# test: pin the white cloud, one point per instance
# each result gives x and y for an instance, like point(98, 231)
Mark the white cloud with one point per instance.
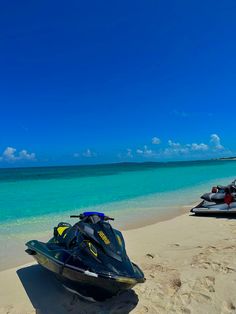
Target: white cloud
point(216, 142)
point(10, 155)
point(198, 147)
point(129, 153)
point(145, 151)
point(156, 140)
point(173, 144)
point(26, 156)
point(175, 149)
point(88, 153)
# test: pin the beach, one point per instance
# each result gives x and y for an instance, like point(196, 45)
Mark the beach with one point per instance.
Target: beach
point(189, 264)
point(34, 200)
point(117, 121)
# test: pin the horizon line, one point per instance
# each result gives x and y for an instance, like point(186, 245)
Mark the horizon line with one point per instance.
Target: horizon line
point(120, 163)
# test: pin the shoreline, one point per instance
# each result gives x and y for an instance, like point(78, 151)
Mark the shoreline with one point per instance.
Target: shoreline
point(188, 261)
point(155, 219)
point(13, 237)
point(21, 258)
point(136, 225)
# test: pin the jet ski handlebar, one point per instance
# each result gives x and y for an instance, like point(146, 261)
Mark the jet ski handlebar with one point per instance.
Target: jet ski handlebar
point(81, 216)
point(108, 218)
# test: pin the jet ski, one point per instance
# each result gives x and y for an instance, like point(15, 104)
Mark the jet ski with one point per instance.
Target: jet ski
point(88, 257)
point(207, 208)
point(218, 193)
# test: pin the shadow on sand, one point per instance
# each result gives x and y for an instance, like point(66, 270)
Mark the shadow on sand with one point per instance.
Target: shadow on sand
point(48, 296)
point(215, 215)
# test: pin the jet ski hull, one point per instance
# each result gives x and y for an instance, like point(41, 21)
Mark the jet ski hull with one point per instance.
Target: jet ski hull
point(99, 286)
point(209, 208)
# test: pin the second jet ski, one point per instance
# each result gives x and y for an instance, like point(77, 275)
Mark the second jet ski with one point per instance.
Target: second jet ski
point(218, 193)
point(222, 200)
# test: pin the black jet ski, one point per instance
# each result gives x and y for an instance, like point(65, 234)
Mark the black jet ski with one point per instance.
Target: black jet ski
point(88, 257)
point(218, 193)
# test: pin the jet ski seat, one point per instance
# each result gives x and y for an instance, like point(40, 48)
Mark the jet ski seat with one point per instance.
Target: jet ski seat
point(222, 187)
point(70, 237)
point(66, 235)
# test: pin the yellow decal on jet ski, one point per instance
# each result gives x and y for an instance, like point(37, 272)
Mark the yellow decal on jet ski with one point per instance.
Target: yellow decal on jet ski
point(92, 249)
point(130, 281)
point(119, 239)
point(42, 260)
point(60, 230)
point(104, 237)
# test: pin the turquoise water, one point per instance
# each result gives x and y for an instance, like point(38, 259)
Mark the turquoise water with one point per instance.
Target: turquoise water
point(34, 200)
point(33, 192)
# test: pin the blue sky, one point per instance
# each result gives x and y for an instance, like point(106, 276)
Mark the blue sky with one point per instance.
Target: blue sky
point(96, 81)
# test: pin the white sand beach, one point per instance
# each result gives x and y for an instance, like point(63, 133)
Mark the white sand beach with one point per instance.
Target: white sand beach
point(189, 263)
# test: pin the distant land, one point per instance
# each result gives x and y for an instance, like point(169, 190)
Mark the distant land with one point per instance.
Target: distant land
point(227, 158)
point(118, 164)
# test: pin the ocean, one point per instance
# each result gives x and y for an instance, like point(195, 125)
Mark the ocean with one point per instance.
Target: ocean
point(34, 200)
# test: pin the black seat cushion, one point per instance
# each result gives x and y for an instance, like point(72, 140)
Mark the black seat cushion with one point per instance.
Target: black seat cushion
point(68, 237)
